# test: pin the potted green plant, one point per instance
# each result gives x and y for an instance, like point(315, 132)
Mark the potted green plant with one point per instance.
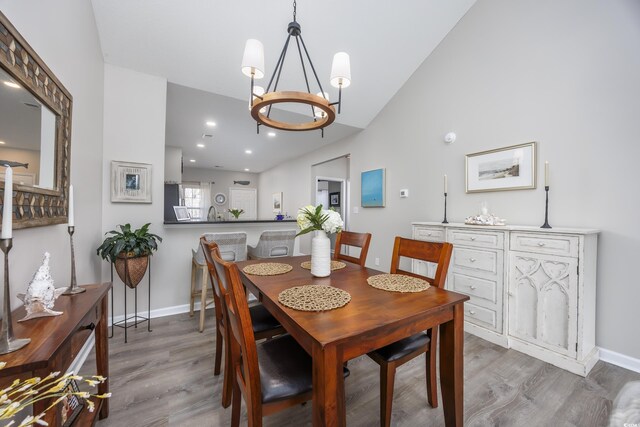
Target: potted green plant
point(236, 212)
point(129, 250)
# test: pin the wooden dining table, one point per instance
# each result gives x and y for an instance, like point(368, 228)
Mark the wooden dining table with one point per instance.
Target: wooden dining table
point(372, 319)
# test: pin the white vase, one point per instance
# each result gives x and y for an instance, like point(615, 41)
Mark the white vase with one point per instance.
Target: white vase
point(320, 255)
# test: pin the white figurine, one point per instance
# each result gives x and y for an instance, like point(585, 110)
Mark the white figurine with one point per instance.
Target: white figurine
point(41, 294)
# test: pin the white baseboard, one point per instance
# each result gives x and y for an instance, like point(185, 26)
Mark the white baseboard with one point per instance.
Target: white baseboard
point(619, 359)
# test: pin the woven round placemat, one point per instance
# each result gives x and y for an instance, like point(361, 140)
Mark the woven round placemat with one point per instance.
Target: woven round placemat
point(398, 283)
point(267, 269)
point(314, 298)
point(335, 265)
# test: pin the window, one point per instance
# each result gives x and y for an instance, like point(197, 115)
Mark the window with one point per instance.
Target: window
point(193, 199)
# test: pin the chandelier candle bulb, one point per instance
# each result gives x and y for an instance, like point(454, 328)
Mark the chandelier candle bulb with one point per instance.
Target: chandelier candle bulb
point(546, 173)
point(71, 217)
point(7, 216)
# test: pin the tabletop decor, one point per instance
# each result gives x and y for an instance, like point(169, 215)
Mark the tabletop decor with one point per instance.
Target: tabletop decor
point(267, 269)
point(314, 298)
point(546, 191)
point(236, 212)
point(129, 251)
point(73, 287)
point(444, 221)
point(277, 202)
point(41, 294)
point(8, 343)
point(130, 182)
point(508, 168)
point(22, 394)
point(335, 265)
point(314, 218)
point(398, 283)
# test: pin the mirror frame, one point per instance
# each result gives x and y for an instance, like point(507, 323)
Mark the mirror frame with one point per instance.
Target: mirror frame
point(34, 206)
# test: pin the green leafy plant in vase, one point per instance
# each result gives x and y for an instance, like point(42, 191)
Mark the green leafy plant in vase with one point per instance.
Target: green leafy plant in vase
point(129, 250)
point(236, 212)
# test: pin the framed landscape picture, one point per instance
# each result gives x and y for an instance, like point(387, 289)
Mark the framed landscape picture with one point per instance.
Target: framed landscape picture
point(277, 202)
point(334, 199)
point(508, 168)
point(373, 188)
point(130, 182)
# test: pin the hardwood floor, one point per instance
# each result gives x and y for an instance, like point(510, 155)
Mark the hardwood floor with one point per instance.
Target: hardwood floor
point(165, 378)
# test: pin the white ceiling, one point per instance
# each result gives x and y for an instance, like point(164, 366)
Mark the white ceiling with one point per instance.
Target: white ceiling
point(199, 44)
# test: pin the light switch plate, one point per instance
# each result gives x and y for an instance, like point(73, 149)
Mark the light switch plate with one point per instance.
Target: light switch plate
point(355, 210)
point(404, 193)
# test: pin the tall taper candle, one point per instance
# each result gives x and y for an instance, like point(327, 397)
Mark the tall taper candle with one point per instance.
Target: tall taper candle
point(546, 173)
point(7, 211)
point(445, 183)
point(71, 206)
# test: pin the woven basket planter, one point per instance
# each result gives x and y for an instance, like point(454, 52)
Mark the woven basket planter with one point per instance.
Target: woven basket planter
point(133, 267)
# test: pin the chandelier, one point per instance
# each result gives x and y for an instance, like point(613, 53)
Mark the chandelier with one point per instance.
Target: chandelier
point(323, 112)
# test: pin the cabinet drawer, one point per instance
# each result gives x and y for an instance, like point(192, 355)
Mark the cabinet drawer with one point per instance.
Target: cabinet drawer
point(545, 244)
point(429, 234)
point(480, 239)
point(481, 316)
point(485, 261)
point(474, 286)
point(83, 332)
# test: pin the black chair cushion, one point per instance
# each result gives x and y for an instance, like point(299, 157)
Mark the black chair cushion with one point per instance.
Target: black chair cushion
point(261, 319)
point(285, 369)
point(399, 349)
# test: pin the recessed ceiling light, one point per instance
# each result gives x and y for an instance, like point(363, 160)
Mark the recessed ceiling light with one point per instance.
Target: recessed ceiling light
point(12, 84)
point(2, 142)
point(211, 124)
point(200, 145)
point(192, 160)
point(271, 134)
point(246, 169)
point(248, 151)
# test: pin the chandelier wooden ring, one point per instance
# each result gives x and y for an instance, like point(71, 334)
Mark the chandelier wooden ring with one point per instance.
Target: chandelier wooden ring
point(296, 97)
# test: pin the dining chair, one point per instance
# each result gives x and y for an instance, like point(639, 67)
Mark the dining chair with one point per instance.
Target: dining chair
point(272, 375)
point(264, 325)
point(350, 238)
point(233, 247)
point(273, 244)
point(400, 352)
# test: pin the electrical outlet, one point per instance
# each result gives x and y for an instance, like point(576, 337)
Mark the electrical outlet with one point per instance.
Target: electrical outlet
point(377, 261)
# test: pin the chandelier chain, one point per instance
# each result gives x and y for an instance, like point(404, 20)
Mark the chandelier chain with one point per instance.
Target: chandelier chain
point(294, 10)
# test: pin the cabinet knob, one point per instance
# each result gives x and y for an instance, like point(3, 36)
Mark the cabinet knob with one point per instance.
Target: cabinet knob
point(428, 234)
point(473, 238)
point(472, 259)
point(540, 243)
point(511, 294)
point(473, 287)
point(472, 312)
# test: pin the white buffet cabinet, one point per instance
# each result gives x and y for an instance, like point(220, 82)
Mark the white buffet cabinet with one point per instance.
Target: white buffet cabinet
point(531, 289)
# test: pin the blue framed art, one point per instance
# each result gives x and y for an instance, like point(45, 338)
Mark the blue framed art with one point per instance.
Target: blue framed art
point(372, 189)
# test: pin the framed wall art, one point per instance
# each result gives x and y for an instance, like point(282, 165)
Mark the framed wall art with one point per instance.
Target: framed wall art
point(70, 405)
point(130, 182)
point(373, 188)
point(277, 202)
point(334, 199)
point(508, 168)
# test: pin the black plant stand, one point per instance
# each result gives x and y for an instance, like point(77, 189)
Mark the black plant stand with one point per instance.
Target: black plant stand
point(131, 321)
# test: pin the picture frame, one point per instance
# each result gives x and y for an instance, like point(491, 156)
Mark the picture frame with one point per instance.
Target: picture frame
point(372, 185)
point(501, 169)
point(130, 182)
point(334, 199)
point(277, 202)
point(182, 213)
point(70, 406)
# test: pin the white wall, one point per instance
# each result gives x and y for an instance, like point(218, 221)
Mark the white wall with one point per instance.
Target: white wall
point(134, 123)
point(172, 165)
point(560, 73)
point(64, 34)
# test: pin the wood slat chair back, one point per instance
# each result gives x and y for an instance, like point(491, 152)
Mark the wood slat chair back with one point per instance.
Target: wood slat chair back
point(350, 238)
point(244, 356)
point(438, 253)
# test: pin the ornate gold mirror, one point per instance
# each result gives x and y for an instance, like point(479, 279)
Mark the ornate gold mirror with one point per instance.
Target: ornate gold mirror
point(35, 130)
